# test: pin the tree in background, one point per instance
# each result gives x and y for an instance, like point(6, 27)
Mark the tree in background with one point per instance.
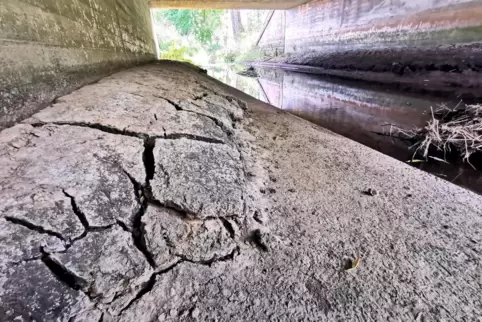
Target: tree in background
point(237, 24)
point(199, 23)
point(207, 37)
point(172, 51)
point(194, 33)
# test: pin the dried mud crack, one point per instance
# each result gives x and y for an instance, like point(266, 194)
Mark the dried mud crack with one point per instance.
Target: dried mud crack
point(110, 204)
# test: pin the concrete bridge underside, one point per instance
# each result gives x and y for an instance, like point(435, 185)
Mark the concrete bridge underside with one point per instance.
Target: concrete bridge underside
point(226, 4)
point(50, 47)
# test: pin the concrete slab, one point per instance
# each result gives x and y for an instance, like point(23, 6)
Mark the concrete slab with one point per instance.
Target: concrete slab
point(273, 223)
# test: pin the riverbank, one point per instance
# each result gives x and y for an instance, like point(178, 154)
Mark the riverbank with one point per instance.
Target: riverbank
point(463, 84)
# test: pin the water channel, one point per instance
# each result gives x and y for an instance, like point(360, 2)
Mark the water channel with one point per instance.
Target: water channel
point(366, 113)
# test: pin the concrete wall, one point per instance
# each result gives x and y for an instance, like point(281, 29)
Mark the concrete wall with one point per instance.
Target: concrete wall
point(334, 25)
point(433, 45)
point(272, 42)
point(50, 47)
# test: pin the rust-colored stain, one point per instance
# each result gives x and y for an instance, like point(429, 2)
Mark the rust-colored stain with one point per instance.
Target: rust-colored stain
point(432, 20)
point(368, 22)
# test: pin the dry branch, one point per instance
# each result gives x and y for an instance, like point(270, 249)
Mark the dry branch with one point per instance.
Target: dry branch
point(458, 129)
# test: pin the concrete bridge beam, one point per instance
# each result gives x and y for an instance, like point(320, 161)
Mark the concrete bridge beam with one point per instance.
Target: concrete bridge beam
point(226, 4)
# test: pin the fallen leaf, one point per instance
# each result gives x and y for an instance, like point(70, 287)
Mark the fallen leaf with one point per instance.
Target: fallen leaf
point(355, 264)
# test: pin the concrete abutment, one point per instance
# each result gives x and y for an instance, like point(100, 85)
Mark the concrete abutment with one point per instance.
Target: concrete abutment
point(423, 45)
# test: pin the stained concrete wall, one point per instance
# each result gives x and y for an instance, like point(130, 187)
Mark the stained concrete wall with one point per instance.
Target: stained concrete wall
point(50, 47)
point(433, 45)
point(334, 25)
point(272, 42)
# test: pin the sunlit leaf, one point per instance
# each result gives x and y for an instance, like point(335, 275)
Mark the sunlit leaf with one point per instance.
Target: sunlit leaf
point(416, 161)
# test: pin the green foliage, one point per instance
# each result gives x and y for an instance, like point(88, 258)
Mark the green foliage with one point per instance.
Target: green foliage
point(251, 55)
point(182, 20)
point(165, 45)
point(233, 56)
point(213, 48)
point(230, 57)
point(175, 52)
point(209, 33)
point(199, 23)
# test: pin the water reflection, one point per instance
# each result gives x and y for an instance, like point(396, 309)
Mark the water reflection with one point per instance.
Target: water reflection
point(228, 75)
point(362, 112)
